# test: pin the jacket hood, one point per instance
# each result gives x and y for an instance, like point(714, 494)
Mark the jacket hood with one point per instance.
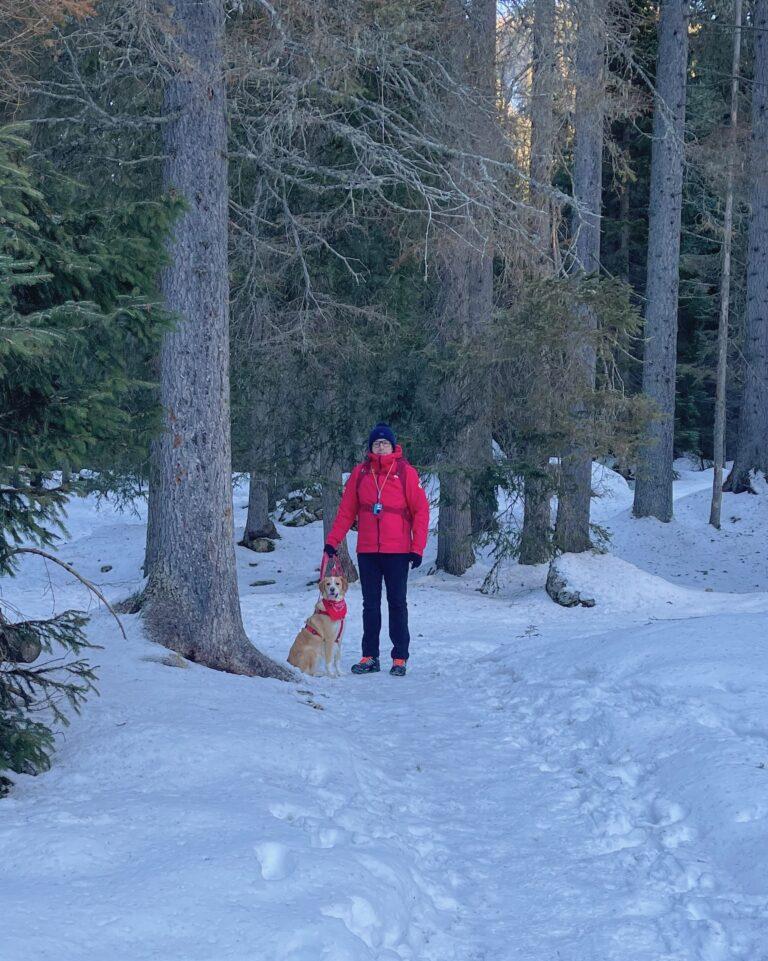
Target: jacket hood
point(379, 461)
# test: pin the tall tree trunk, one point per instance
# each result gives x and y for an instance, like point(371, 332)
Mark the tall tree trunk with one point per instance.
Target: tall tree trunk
point(258, 523)
point(653, 487)
point(454, 529)
point(752, 444)
point(624, 211)
point(575, 489)
point(331, 498)
point(535, 537)
point(725, 281)
point(191, 601)
point(465, 274)
point(485, 505)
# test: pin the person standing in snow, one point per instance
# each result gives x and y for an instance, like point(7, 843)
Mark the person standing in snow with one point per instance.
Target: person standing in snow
point(386, 498)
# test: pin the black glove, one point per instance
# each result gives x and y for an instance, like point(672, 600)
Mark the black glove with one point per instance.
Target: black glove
point(329, 550)
point(415, 560)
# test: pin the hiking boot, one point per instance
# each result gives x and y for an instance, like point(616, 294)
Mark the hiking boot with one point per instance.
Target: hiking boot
point(366, 665)
point(398, 667)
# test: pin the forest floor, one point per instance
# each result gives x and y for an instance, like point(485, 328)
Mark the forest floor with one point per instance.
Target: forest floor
point(581, 785)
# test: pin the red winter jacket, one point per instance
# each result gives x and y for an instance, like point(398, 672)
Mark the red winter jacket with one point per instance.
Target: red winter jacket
point(402, 525)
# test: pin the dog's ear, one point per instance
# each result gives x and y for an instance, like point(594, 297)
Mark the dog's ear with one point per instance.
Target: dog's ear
point(344, 583)
point(322, 586)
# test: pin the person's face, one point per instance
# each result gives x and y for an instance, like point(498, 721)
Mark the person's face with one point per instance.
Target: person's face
point(382, 446)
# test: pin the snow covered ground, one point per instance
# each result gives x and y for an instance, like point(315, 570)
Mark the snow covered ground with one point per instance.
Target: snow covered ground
point(544, 785)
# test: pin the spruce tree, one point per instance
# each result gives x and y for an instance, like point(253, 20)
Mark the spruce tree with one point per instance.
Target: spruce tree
point(75, 311)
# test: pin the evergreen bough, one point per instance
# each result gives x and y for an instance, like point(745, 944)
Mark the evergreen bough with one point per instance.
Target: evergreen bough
point(78, 328)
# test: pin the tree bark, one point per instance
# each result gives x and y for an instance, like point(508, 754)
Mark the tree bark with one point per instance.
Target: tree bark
point(725, 282)
point(484, 505)
point(153, 515)
point(258, 522)
point(465, 276)
point(191, 601)
point(752, 443)
point(653, 486)
point(575, 489)
point(535, 546)
point(624, 214)
point(543, 84)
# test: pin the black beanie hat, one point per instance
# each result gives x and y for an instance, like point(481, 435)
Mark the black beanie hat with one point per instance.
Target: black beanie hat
point(381, 432)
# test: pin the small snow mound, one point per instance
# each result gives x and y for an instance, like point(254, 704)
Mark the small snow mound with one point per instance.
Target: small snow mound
point(609, 483)
point(618, 585)
point(759, 483)
point(612, 493)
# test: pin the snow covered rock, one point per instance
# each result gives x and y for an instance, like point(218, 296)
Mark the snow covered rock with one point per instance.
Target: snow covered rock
point(301, 507)
point(301, 518)
point(561, 591)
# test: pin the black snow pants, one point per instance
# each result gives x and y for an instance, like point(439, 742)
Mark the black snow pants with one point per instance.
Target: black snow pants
point(393, 570)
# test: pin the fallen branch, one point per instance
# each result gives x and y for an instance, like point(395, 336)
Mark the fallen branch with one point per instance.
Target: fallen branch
point(73, 572)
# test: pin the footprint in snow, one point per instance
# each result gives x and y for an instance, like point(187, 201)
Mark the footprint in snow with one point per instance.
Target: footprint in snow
point(327, 837)
point(359, 917)
point(276, 860)
point(755, 813)
point(663, 812)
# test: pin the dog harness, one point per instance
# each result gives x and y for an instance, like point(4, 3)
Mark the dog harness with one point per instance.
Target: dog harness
point(336, 611)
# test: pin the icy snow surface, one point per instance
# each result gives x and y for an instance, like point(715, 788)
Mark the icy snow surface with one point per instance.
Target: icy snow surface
point(544, 785)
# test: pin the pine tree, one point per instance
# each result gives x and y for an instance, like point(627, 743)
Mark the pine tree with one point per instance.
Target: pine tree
point(73, 306)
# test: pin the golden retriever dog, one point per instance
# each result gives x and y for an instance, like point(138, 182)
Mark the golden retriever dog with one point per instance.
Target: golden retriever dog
point(321, 635)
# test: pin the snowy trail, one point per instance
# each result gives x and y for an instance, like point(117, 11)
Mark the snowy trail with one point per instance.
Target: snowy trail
point(549, 836)
point(582, 785)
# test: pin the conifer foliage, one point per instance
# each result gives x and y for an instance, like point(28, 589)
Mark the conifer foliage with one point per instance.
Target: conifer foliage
point(75, 313)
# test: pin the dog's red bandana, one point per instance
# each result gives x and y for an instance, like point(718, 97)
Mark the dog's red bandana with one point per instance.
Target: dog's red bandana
point(336, 610)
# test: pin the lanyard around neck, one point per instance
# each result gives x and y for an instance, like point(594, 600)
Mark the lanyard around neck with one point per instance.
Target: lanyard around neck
point(375, 481)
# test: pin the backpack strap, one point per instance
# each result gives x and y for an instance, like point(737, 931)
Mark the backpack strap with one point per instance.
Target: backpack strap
point(402, 473)
point(365, 469)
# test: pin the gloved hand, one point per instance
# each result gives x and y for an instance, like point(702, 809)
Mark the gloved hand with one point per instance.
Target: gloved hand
point(330, 550)
point(415, 560)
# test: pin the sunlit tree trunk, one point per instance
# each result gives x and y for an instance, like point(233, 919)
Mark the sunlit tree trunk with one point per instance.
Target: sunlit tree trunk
point(191, 601)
